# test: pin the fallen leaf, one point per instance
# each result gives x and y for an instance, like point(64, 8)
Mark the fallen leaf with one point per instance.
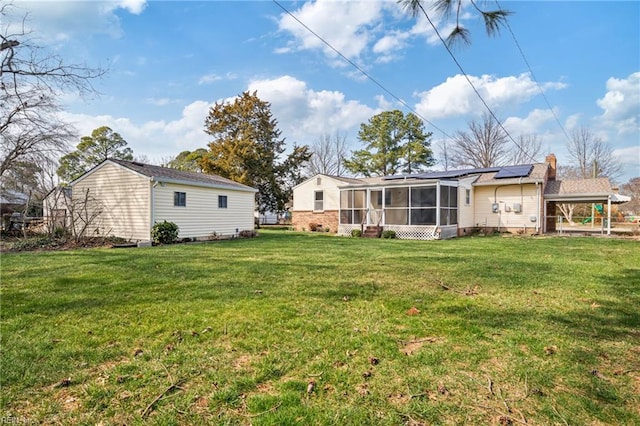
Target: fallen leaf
point(413, 311)
point(550, 350)
point(311, 386)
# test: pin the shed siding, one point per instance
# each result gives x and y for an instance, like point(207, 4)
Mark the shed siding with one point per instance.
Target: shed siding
point(201, 216)
point(505, 196)
point(124, 199)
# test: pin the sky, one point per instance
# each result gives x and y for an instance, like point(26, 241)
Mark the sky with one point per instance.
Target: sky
point(169, 62)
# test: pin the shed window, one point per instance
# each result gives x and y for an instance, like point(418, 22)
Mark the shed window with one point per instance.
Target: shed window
point(318, 204)
point(180, 199)
point(222, 201)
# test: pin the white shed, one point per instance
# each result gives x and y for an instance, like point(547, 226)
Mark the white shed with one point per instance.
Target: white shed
point(125, 199)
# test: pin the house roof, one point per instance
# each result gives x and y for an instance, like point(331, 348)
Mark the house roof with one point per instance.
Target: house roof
point(165, 174)
point(346, 180)
point(511, 175)
point(594, 190)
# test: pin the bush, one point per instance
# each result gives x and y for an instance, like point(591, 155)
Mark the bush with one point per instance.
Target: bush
point(313, 226)
point(164, 232)
point(356, 233)
point(388, 234)
point(248, 233)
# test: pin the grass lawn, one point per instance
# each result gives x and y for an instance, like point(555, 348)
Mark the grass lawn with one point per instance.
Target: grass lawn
point(293, 328)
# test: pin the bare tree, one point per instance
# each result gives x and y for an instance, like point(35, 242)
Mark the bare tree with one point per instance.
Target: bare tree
point(84, 213)
point(483, 145)
point(443, 154)
point(632, 189)
point(31, 82)
point(529, 149)
point(592, 156)
point(328, 152)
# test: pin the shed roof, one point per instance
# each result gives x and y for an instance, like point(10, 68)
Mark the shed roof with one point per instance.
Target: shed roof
point(165, 174)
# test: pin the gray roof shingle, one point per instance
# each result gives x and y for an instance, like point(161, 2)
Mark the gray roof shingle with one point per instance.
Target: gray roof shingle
point(178, 176)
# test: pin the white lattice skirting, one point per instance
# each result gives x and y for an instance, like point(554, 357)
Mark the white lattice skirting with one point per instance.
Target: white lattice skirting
point(345, 230)
point(403, 232)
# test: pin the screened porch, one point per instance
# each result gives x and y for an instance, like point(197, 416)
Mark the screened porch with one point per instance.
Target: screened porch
point(413, 211)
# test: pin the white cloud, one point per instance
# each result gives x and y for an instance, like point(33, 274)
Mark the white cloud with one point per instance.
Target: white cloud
point(156, 138)
point(304, 113)
point(213, 77)
point(347, 26)
point(59, 21)
point(531, 124)
point(629, 155)
point(455, 97)
point(621, 104)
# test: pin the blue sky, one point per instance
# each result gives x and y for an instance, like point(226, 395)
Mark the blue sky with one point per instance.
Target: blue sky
point(170, 61)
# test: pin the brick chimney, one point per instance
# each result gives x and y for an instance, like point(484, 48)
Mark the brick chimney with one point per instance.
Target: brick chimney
point(552, 161)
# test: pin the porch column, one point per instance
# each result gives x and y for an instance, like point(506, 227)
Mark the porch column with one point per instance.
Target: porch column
point(609, 215)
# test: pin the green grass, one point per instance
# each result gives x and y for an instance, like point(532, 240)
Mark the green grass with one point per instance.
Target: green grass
point(542, 330)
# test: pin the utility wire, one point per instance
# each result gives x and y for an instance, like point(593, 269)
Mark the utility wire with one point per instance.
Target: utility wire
point(363, 72)
point(471, 83)
point(544, 96)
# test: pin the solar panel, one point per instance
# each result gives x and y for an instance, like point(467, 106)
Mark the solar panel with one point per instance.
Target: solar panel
point(514, 171)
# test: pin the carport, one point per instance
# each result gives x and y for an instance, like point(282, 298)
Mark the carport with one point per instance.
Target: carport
point(575, 191)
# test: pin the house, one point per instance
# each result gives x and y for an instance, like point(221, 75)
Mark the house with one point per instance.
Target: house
point(125, 199)
point(445, 204)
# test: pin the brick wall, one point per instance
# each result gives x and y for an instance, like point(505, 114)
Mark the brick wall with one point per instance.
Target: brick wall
point(329, 218)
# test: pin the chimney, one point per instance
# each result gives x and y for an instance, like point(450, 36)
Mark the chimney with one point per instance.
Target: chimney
point(552, 161)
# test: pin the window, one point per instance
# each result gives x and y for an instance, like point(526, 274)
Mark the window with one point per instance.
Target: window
point(467, 196)
point(222, 201)
point(180, 199)
point(318, 204)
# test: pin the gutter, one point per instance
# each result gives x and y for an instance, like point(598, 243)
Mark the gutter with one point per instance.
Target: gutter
point(239, 186)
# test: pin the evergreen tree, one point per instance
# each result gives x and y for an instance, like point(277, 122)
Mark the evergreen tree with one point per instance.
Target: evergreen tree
point(247, 148)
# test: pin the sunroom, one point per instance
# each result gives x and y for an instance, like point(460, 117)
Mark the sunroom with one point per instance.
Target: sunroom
point(414, 209)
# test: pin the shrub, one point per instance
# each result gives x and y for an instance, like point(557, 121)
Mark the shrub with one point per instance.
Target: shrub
point(164, 232)
point(248, 233)
point(313, 226)
point(356, 233)
point(388, 234)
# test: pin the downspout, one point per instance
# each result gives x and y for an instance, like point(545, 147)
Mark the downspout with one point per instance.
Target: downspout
point(152, 210)
point(538, 207)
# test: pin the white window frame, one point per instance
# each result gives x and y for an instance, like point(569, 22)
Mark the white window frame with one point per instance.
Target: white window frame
point(316, 201)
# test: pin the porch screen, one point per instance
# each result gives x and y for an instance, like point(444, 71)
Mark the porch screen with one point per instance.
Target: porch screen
point(423, 206)
point(448, 205)
point(397, 206)
point(352, 206)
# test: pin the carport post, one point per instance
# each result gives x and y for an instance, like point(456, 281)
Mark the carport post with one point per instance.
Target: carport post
point(609, 215)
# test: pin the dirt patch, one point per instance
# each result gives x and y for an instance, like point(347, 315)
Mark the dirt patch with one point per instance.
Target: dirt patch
point(43, 242)
point(412, 346)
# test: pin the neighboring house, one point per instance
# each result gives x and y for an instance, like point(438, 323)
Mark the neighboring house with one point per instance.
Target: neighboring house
point(437, 205)
point(125, 199)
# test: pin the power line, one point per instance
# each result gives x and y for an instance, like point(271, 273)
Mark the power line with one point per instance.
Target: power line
point(544, 96)
point(471, 83)
point(363, 72)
